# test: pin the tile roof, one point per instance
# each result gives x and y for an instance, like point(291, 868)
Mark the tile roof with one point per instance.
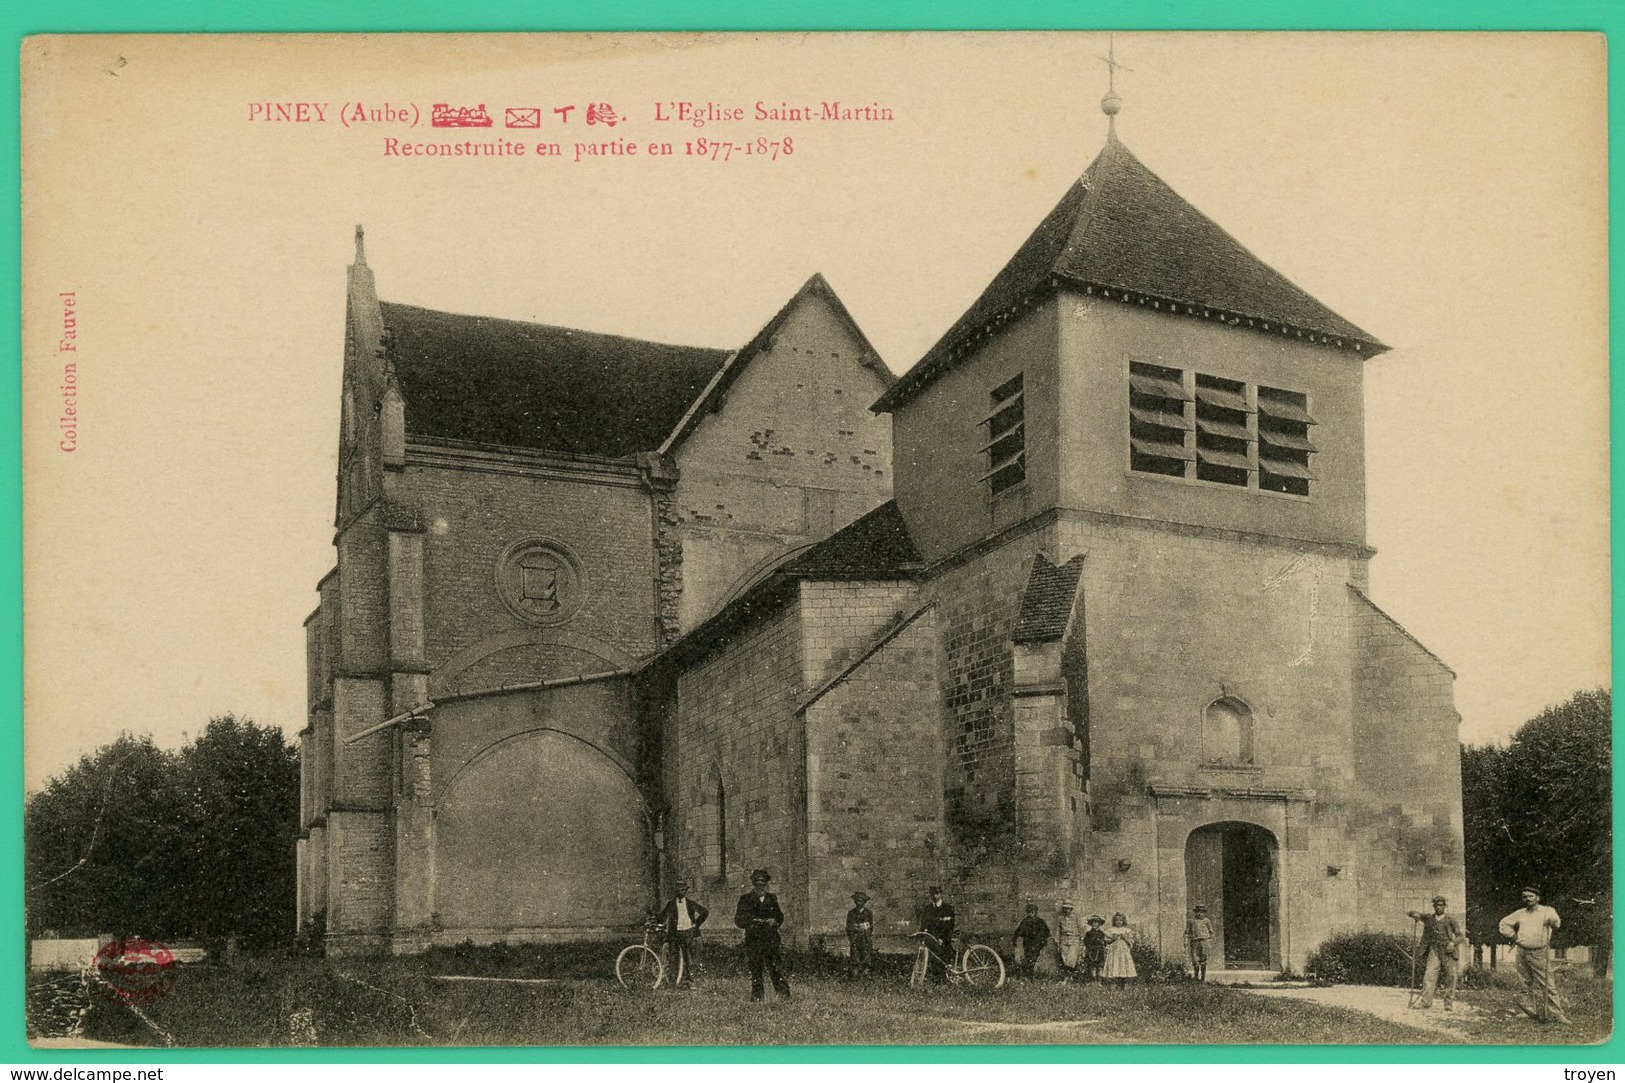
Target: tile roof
point(1120, 228)
point(1046, 604)
point(530, 385)
point(873, 546)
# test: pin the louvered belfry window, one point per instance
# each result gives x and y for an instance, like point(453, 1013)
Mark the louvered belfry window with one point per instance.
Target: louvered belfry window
point(1223, 436)
point(1159, 420)
point(1006, 446)
point(1283, 441)
point(1193, 425)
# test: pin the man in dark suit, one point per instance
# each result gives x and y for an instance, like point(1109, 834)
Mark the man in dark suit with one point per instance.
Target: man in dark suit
point(937, 920)
point(759, 915)
point(681, 921)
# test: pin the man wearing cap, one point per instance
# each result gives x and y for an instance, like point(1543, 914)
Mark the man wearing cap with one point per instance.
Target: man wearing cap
point(759, 915)
point(681, 921)
point(860, 936)
point(1441, 944)
point(1199, 937)
point(1531, 929)
point(937, 920)
point(1030, 937)
point(1069, 938)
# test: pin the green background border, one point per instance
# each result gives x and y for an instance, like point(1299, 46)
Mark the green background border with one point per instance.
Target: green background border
point(156, 16)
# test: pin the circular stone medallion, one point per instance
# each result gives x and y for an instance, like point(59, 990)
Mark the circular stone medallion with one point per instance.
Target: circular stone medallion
point(541, 581)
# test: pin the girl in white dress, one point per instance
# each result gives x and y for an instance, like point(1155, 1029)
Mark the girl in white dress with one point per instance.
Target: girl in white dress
point(1119, 960)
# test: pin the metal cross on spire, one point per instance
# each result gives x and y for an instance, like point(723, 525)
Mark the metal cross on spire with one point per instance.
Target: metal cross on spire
point(1112, 103)
point(1111, 62)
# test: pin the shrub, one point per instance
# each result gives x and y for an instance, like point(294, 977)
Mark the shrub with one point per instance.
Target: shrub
point(1367, 958)
point(1150, 964)
point(1479, 977)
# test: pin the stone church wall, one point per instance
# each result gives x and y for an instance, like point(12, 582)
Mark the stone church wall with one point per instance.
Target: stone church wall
point(472, 516)
point(1098, 341)
point(939, 435)
point(792, 456)
point(977, 603)
point(1179, 619)
point(1408, 758)
point(736, 736)
point(875, 769)
point(541, 831)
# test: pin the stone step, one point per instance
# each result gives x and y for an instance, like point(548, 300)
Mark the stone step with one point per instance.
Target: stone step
point(1241, 977)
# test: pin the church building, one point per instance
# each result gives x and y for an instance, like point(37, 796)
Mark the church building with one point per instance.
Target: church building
point(1076, 608)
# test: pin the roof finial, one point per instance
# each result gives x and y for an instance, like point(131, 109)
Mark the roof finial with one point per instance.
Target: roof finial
point(360, 246)
point(1112, 103)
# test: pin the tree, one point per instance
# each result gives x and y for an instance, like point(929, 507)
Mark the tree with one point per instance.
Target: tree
point(1557, 797)
point(136, 840)
point(1483, 778)
point(1539, 813)
point(100, 843)
point(240, 819)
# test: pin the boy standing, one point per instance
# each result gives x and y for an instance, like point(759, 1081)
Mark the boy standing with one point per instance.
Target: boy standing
point(1198, 936)
point(1030, 937)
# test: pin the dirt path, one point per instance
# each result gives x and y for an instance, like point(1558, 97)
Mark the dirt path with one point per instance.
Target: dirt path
point(1384, 1003)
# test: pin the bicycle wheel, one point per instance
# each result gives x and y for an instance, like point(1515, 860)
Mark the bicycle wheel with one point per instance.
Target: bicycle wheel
point(922, 967)
point(638, 966)
point(982, 967)
point(681, 968)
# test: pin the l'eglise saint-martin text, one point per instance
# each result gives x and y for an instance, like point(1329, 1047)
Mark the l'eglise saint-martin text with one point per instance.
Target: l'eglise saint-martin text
point(832, 111)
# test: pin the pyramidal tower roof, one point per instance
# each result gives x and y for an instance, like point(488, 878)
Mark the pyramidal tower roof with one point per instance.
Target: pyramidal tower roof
point(1121, 233)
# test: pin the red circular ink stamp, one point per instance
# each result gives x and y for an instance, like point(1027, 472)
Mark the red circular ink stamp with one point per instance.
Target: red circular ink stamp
point(136, 971)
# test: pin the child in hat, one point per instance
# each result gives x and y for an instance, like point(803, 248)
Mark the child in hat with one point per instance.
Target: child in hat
point(860, 937)
point(1069, 939)
point(1094, 949)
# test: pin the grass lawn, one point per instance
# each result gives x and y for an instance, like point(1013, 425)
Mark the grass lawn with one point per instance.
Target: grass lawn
point(407, 1002)
point(1589, 1004)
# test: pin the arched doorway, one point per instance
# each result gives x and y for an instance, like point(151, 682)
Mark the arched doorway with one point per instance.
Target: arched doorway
point(1231, 869)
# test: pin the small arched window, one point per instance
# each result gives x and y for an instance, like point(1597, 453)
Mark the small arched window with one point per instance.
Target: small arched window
point(714, 830)
point(1227, 732)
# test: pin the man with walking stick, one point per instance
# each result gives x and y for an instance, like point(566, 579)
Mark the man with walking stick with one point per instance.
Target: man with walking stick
point(1439, 940)
point(1531, 929)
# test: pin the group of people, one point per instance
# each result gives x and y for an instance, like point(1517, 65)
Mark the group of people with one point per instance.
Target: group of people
point(758, 913)
point(1085, 948)
point(1095, 953)
point(1089, 949)
point(1530, 927)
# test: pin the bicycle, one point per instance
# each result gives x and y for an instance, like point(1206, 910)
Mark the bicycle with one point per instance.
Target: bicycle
point(643, 966)
point(977, 965)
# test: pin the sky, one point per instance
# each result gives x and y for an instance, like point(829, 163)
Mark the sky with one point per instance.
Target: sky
point(1429, 188)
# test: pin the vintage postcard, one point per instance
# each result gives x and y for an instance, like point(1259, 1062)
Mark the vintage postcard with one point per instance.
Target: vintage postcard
point(816, 539)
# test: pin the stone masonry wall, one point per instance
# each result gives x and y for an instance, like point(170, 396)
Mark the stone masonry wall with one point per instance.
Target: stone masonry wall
point(875, 768)
point(977, 603)
point(792, 455)
point(363, 595)
point(736, 721)
point(471, 516)
point(1408, 763)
